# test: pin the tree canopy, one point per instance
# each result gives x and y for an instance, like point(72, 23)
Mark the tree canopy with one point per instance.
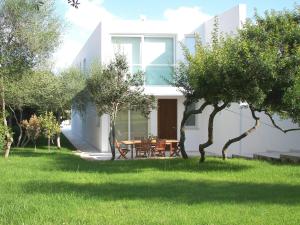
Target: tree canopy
point(113, 88)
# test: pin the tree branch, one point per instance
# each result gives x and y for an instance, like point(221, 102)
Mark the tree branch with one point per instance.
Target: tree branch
point(278, 127)
point(243, 135)
point(186, 115)
point(210, 129)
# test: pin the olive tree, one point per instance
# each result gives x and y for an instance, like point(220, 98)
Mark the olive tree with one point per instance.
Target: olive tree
point(182, 81)
point(112, 89)
point(27, 38)
point(269, 54)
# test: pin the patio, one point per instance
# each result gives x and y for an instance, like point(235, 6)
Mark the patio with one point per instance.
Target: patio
point(148, 148)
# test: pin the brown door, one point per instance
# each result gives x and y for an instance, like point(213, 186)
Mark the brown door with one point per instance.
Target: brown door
point(167, 118)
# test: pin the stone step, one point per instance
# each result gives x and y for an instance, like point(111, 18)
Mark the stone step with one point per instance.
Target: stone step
point(295, 150)
point(269, 156)
point(293, 157)
point(243, 156)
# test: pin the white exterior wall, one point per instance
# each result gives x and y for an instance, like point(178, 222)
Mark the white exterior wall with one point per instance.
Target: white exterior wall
point(228, 123)
point(87, 124)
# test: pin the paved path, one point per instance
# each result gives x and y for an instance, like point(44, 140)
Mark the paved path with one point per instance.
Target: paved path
point(84, 149)
point(89, 152)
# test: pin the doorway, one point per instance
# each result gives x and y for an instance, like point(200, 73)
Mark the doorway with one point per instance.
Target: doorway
point(167, 118)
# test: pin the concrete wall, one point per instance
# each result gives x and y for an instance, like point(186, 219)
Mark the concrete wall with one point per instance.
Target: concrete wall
point(233, 121)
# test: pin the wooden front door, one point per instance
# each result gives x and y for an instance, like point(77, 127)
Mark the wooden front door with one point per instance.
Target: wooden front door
point(167, 118)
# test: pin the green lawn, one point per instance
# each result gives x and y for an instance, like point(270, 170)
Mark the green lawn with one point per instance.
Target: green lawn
point(60, 188)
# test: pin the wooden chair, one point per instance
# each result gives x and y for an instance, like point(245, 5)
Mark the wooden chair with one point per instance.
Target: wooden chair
point(160, 147)
point(174, 149)
point(122, 150)
point(142, 148)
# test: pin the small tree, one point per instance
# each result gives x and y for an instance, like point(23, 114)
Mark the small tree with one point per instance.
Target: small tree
point(32, 129)
point(113, 89)
point(50, 127)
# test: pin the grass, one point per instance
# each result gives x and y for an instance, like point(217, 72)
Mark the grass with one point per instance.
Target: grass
point(60, 188)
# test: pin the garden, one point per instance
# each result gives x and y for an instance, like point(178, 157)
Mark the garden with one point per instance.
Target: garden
point(57, 187)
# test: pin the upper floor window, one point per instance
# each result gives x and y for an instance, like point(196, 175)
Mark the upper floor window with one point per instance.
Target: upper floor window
point(131, 48)
point(153, 55)
point(158, 59)
point(190, 43)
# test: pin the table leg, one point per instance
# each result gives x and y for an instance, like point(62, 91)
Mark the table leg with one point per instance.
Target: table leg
point(131, 151)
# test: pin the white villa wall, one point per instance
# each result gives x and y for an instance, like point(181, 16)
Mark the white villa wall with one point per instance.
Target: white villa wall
point(88, 125)
point(228, 22)
point(228, 123)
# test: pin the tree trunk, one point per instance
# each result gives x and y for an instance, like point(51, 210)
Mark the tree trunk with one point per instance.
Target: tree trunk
point(35, 145)
point(210, 130)
point(18, 124)
point(49, 143)
point(58, 141)
point(186, 116)
point(243, 135)
point(182, 134)
point(25, 141)
point(8, 137)
point(112, 139)
point(7, 146)
point(58, 134)
point(20, 128)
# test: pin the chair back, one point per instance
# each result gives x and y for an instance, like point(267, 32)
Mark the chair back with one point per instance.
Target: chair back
point(160, 144)
point(146, 144)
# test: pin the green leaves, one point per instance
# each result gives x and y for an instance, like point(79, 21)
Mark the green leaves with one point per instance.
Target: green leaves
point(50, 126)
point(113, 88)
point(27, 36)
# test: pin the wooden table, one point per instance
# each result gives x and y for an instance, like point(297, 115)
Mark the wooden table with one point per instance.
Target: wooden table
point(132, 142)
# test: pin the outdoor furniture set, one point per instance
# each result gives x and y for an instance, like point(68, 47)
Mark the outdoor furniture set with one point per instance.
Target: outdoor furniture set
point(148, 148)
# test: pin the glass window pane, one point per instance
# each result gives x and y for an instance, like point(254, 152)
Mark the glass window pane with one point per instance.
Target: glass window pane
point(122, 126)
point(138, 125)
point(158, 75)
point(135, 69)
point(129, 46)
point(191, 121)
point(190, 44)
point(158, 50)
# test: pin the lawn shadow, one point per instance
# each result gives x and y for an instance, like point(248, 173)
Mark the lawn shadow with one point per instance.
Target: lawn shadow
point(175, 191)
point(63, 160)
point(73, 163)
point(26, 152)
point(42, 149)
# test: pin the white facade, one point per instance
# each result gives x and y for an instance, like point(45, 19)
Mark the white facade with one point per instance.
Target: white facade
point(153, 40)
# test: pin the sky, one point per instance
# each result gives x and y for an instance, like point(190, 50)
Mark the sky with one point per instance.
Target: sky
point(80, 23)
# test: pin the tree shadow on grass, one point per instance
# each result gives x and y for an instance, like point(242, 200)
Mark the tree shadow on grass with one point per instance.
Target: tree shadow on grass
point(176, 191)
point(31, 153)
point(74, 163)
point(42, 149)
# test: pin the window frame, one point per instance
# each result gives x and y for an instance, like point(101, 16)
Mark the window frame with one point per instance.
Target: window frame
point(143, 65)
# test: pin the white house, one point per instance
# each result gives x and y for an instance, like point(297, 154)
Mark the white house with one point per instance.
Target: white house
point(154, 47)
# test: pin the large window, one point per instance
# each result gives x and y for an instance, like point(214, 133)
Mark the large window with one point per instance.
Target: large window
point(153, 55)
point(158, 58)
point(131, 124)
point(131, 48)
